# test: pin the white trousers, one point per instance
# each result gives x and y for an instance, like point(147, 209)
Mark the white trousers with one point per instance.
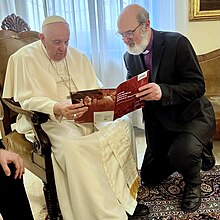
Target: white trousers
point(95, 172)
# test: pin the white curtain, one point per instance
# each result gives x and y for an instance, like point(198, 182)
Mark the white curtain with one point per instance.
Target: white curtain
point(93, 24)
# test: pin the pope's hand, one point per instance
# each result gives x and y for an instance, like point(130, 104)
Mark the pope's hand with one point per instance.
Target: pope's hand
point(70, 111)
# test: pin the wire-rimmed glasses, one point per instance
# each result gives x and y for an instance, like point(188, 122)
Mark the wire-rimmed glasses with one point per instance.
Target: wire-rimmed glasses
point(127, 34)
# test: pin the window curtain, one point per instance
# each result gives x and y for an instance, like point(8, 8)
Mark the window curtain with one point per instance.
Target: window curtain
point(93, 24)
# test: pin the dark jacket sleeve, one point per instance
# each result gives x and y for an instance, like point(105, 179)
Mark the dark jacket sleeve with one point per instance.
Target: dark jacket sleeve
point(182, 80)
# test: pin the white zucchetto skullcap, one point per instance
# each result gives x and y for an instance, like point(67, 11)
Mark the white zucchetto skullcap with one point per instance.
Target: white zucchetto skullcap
point(53, 19)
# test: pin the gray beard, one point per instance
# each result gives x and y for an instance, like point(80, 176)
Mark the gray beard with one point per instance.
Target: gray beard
point(138, 49)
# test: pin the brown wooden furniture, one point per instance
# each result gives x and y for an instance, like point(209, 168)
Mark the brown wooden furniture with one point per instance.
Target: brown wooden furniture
point(210, 64)
point(37, 155)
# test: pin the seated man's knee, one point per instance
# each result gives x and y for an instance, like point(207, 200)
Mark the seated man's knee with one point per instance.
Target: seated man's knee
point(125, 123)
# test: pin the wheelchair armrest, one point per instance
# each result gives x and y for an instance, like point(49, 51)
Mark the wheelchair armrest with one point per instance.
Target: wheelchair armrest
point(14, 106)
point(41, 145)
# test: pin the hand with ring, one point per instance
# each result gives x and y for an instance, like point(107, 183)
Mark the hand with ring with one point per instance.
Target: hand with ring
point(68, 110)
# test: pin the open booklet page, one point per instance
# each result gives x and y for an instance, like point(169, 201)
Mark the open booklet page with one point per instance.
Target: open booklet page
point(110, 104)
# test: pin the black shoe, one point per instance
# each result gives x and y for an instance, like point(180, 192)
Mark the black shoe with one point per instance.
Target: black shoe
point(191, 199)
point(208, 158)
point(140, 211)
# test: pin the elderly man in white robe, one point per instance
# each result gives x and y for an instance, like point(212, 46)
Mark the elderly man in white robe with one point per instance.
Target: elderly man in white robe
point(95, 170)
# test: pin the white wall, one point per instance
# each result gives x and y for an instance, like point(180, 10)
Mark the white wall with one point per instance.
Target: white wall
point(204, 35)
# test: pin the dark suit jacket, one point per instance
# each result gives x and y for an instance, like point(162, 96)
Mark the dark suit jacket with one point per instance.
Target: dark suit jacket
point(175, 68)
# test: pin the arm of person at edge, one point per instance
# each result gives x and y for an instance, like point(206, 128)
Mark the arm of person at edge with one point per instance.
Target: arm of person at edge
point(7, 157)
point(181, 91)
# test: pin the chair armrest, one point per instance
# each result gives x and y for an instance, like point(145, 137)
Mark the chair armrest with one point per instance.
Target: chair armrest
point(14, 106)
point(41, 145)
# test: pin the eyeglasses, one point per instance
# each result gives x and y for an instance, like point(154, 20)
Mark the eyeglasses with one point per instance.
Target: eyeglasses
point(128, 34)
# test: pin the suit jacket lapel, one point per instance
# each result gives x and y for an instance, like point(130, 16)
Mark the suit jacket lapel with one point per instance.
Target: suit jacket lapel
point(135, 64)
point(158, 48)
point(139, 60)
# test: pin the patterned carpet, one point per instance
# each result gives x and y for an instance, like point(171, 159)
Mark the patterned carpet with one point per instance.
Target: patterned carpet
point(164, 200)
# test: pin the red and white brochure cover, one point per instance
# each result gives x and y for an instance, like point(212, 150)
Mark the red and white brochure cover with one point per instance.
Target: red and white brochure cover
point(110, 104)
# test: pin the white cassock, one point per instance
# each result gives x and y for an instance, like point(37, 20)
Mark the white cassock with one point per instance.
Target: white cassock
point(95, 169)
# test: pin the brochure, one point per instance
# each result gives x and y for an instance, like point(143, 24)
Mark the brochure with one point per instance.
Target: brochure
point(108, 104)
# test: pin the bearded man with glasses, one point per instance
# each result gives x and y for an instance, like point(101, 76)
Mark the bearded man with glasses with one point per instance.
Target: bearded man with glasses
point(179, 119)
